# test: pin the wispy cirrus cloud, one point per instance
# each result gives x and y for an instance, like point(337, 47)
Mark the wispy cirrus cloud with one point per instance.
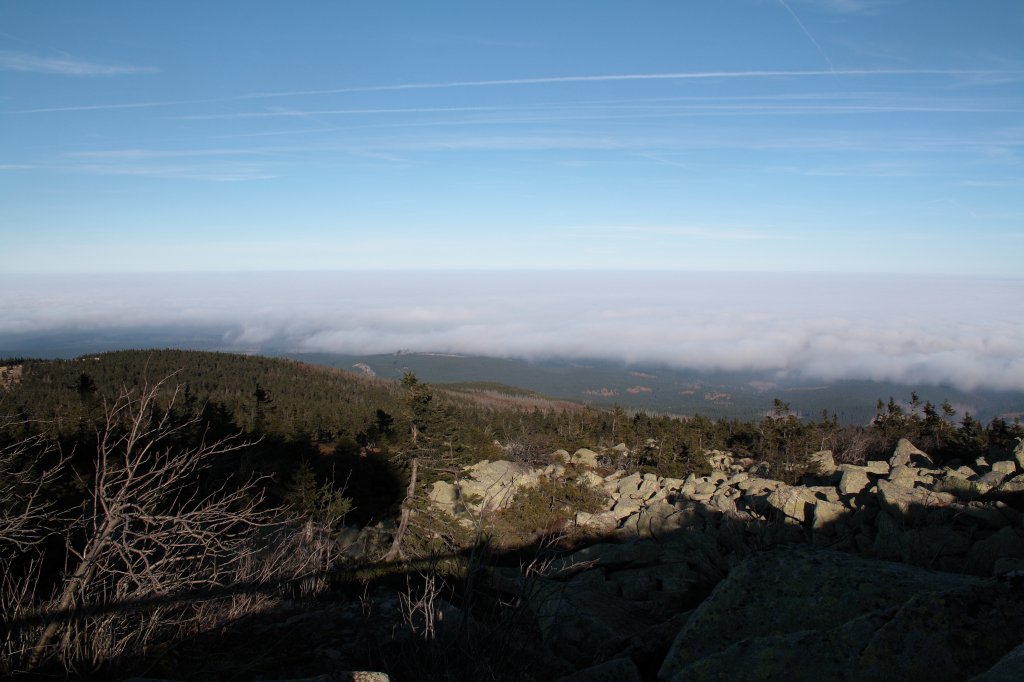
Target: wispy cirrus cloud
point(705, 232)
point(137, 154)
point(209, 165)
point(65, 66)
point(201, 172)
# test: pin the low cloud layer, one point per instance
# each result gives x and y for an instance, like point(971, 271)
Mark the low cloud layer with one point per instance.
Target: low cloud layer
point(917, 330)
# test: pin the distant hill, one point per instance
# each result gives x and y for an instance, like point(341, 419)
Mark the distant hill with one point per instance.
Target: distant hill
point(739, 395)
point(660, 389)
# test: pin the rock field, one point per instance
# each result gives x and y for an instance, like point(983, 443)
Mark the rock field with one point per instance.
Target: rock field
point(897, 569)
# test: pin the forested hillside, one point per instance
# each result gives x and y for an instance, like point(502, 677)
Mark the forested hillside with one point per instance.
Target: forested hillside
point(148, 497)
point(301, 408)
point(287, 398)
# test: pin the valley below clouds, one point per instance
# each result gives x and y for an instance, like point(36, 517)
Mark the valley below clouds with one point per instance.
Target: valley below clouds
point(921, 330)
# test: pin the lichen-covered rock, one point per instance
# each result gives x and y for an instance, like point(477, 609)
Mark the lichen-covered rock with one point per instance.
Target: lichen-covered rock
point(1005, 467)
point(492, 485)
point(719, 478)
point(1011, 568)
point(1015, 517)
point(615, 670)
point(799, 655)
point(910, 504)
point(649, 487)
point(878, 467)
point(628, 485)
point(963, 489)
point(353, 676)
point(1009, 668)
point(654, 521)
point(610, 555)
point(626, 507)
point(756, 484)
point(990, 479)
point(592, 479)
point(703, 488)
point(444, 496)
point(824, 492)
point(601, 522)
point(827, 514)
point(888, 540)
point(908, 476)
point(966, 471)
point(906, 454)
point(656, 582)
point(1013, 485)
point(854, 480)
point(793, 502)
point(925, 546)
point(1005, 543)
point(579, 623)
point(585, 457)
point(787, 591)
point(987, 515)
point(724, 501)
point(671, 484)
point(945, 635)
point(719, 461)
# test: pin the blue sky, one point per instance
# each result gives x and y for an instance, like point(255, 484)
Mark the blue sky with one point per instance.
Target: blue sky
point(747, 135)
point(760, 149)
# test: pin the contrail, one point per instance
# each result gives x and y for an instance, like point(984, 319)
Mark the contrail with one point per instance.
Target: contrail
point(306, 114)
point(685, 75)
point(101, 107)
point(807, 33)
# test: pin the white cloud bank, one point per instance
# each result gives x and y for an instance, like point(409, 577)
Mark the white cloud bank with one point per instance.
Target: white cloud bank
point(917, 330)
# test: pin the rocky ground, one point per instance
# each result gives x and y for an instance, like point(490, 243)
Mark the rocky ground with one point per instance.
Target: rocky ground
point(898, 569)
point(895, 569)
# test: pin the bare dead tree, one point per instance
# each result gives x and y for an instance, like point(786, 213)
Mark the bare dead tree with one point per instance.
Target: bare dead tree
point(396, 547)
point(26, 515)
point(150, 530)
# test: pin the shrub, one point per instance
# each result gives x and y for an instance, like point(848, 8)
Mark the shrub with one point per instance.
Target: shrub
point(548, 507)
point(321, 503)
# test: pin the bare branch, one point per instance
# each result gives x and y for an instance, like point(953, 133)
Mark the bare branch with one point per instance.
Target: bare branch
point(153, 528)
point(26, 517)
